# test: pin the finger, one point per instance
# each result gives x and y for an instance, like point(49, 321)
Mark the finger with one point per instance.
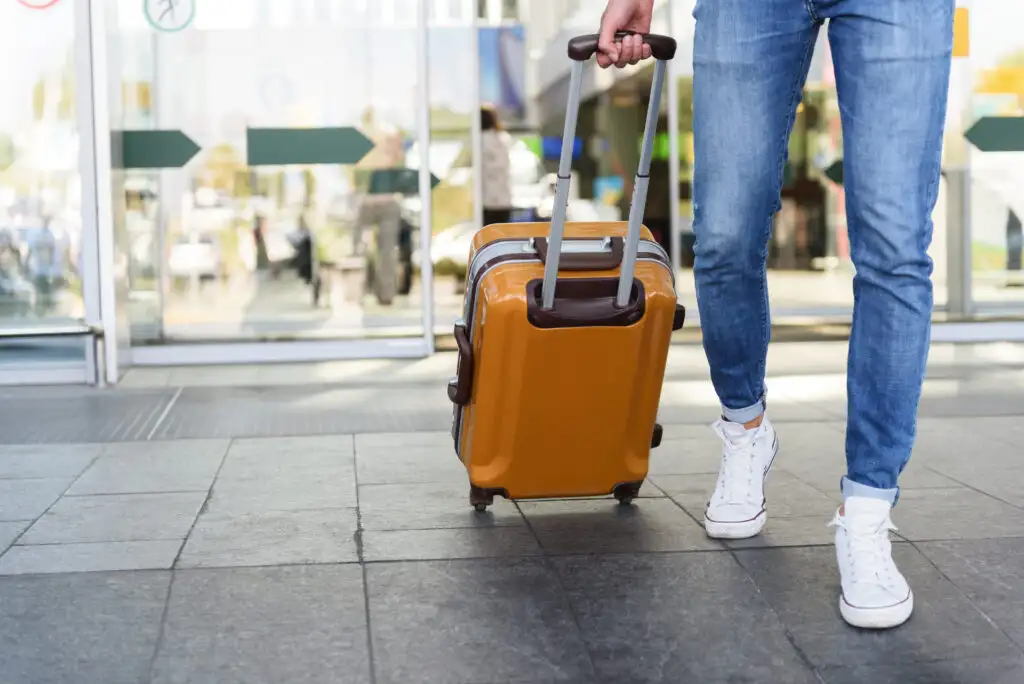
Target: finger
point(606, 46)
point(638, 49)
point(625, 52)
point(647, 51)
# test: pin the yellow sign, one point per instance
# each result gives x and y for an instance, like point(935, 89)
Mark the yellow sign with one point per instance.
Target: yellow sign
point(961, 33)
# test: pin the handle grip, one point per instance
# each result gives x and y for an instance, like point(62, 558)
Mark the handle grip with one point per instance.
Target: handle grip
point(605, 259)
point(582, 48)
point(460, 389)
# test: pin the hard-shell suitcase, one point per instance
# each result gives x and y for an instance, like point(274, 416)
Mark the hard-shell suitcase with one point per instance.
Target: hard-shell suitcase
point(564, 340)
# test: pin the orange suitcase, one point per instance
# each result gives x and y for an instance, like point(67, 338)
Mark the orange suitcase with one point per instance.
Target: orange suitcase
point(563, 341)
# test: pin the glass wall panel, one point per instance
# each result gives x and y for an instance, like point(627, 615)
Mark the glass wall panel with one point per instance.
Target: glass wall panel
point(996, 66)
point(40, 186)
point(453, 102)
point(298, 216)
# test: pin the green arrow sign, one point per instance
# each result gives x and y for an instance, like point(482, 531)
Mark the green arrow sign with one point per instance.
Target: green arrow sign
point(153, 149)
point(997, 134)
point(835, 172)
point(401, 181)
point(277, 146)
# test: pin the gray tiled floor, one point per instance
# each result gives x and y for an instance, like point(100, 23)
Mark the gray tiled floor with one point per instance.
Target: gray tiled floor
point(255, 625)
point(323, 535)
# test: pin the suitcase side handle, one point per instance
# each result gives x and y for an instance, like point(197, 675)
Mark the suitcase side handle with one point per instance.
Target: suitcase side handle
point(582, 48)
point(460, 388)
point(578, 254)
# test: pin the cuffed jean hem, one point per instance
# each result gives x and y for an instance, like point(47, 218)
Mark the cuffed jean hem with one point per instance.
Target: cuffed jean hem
point(851, 488)
point(744, 415)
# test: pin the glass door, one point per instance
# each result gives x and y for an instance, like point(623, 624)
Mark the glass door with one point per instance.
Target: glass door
point(41, 231)
point(267, 185)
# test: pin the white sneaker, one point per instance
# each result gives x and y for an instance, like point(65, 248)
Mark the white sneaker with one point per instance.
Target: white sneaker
point(875, 595)
point(737, 508)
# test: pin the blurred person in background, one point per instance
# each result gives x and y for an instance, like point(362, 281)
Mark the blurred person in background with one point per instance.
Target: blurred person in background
point(496, 168)
point(750, 60)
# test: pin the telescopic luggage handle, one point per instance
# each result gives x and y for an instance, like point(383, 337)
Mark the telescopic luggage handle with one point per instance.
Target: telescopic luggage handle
point(582, 48)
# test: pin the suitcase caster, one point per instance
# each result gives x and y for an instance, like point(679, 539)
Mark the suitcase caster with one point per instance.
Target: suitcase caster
point(625, 493)
point(480, 499)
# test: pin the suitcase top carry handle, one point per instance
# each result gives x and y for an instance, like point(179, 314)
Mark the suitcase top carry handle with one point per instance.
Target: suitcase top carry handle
point(601, 254)
point(582, 48)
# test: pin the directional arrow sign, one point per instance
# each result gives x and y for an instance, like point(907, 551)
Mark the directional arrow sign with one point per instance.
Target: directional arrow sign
point(835, 172)
point(153, 149)
point(997, 134)
point(277, 146)
point(398, 181)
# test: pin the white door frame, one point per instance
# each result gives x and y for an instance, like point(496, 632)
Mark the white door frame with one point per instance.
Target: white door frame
point(99, 272)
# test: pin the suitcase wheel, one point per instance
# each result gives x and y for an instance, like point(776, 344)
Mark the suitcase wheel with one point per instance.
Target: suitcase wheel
point(480, 499)
point(625, 493)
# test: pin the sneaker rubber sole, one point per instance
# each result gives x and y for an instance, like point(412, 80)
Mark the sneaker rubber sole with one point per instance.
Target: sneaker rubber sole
point(885, 617)
point(735, 530)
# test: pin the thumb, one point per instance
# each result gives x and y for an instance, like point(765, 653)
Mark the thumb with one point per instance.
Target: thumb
point(606, 44)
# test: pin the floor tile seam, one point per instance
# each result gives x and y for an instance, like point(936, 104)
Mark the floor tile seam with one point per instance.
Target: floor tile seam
point(162, 629)
point(52, 504)
point(360, 556)
point(549, 565)
point(698, 523)
point(141, 492)
point(219, 513)
point(923, 661)
point(774, 516)
point(39, 479)
point(965, 485)
point(99, 571)
point(928, 540)
point(100, 541)
point(803, 657)
point(204, 507)
point(496, 526)
point(541, 552)
point(963, 594)
point(97, 542)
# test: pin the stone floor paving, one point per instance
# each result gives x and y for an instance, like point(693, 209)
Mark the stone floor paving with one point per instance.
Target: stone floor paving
point(355, 557)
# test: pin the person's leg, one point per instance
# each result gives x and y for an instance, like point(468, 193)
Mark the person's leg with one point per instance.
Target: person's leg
point(892, 62)
point(750, 61)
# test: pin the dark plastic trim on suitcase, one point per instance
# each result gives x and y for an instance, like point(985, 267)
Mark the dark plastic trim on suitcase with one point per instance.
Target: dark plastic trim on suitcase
point(680, 318)
point(585, 302)
point(582, 48)
point(460, 389)
point(659, 432)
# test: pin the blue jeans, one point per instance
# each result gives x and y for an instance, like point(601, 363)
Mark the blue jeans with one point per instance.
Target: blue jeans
point(892, 62)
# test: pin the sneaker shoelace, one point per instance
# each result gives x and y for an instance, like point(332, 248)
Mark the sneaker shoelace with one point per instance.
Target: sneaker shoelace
point(736, 476)
point(868, 548)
